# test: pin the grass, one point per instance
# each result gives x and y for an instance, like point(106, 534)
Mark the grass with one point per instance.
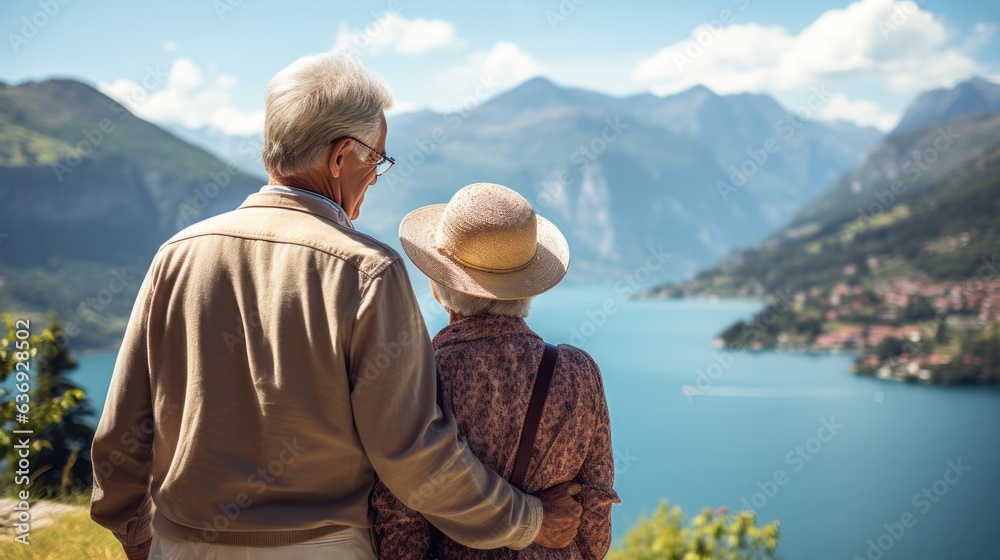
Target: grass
point(70, 536)
point(898, 213)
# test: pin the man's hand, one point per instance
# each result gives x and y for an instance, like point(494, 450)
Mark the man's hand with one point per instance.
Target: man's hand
point(139, 551)
point(562, 515)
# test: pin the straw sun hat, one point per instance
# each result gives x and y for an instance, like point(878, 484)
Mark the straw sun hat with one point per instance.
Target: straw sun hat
point(486, 242)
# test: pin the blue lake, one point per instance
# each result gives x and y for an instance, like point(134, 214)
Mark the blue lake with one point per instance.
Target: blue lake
point(840, 460)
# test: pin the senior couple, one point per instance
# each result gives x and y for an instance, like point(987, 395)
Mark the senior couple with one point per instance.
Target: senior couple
point(277, 395)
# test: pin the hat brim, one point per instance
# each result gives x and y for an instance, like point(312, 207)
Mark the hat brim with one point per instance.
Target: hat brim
point(417, 235)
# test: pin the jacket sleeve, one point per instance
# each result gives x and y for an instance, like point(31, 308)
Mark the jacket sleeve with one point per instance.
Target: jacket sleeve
point(413, 445)
point(122, 446)
point(597, 478)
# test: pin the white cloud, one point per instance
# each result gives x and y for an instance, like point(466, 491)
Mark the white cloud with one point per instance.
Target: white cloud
point(507, 64)
point(401, 107)
point(982, 34)
point(860, 111)
point(184, 100)
point(870, 41)
point(184, 75)
point(225, 81)
point(235, 122)
point(409, 37)
point(484, 74)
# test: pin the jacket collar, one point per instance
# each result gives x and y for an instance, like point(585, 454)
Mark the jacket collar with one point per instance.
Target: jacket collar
point(481, 326)
point(300, 200)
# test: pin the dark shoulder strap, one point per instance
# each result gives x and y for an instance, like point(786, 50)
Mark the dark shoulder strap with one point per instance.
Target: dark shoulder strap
point(527, 443)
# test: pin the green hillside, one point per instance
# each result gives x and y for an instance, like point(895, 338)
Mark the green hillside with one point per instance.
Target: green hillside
point(58, 136)
point(906, 222)
point(88, 192)
point(922, 158)
point(910, 276)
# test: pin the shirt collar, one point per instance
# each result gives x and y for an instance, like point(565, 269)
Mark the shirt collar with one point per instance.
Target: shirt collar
point(481, 326)
point(339, 215)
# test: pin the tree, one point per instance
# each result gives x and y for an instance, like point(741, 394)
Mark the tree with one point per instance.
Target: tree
point(890, 348)
point(61, 437)
point(72, 436)
point(733, 333)
point(991, 366)
point(919, 310)
point(941, 336)
point(709, 536)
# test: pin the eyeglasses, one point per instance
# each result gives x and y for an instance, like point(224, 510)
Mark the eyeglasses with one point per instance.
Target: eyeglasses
point(382, 165)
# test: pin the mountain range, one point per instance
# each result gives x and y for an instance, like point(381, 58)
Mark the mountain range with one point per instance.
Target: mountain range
point(667, 161)
point(939, 105)
point(622, 176)
point(88, 188)
point(923, 202)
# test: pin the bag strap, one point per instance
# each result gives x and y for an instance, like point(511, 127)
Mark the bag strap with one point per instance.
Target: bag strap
point(531, 420)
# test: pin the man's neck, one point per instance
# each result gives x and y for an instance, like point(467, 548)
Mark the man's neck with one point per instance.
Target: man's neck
point(307, 182)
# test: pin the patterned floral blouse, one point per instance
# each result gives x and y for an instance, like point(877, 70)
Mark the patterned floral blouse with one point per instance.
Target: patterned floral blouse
point(487, 366)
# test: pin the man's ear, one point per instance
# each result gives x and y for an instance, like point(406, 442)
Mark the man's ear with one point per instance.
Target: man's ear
point(337, 155)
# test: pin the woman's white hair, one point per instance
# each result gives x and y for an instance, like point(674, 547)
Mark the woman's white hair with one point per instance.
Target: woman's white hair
point(315, 100)
point(468, 306)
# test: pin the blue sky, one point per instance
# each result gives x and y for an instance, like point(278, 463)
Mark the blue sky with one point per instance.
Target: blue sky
point(207, 62)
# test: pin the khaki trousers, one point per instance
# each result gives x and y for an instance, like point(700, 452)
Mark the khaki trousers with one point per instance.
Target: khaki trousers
point(349, 544)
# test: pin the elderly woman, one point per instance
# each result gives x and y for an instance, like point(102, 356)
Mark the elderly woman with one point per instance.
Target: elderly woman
point(487, 254)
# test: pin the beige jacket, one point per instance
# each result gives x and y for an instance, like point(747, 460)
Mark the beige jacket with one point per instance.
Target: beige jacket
point(274, 362)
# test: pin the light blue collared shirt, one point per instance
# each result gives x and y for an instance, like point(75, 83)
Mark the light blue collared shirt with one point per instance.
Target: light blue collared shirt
point(342, 217)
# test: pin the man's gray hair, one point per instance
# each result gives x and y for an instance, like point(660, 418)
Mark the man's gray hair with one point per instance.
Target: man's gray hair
point(315, 100)
point(468, 306)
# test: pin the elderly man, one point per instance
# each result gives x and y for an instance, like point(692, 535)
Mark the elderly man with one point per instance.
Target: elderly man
point(276, 361)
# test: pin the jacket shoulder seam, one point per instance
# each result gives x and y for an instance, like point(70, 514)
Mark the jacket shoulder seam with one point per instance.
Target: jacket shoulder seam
point(377, 269)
